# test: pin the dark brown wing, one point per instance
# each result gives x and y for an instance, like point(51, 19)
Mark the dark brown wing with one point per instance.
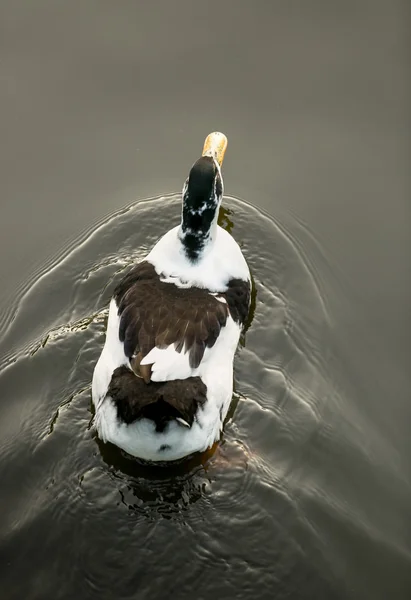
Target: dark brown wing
point(159, 402)
point(238, 297)
point(153, 313)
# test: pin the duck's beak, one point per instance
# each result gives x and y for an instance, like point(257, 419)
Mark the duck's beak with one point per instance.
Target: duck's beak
point(215, 146)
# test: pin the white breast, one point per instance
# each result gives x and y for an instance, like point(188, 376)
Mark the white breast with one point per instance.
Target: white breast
point(222, 261)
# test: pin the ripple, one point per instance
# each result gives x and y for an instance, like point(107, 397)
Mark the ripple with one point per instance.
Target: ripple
point(252, 492)
point(59, 320)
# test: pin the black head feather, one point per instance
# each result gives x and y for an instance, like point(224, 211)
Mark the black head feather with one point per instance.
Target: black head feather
point(201, 197)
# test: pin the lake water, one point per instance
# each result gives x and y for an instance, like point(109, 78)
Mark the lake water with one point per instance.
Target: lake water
point(104, 107)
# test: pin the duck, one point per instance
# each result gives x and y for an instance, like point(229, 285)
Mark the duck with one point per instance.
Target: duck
point(163, 383)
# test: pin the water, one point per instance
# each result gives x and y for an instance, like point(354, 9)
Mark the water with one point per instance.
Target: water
point(309, 493)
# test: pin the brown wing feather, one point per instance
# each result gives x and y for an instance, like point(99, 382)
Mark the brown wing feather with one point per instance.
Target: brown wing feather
point(154, 313)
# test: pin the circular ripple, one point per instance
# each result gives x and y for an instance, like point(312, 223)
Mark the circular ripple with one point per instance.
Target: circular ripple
point(223, 507)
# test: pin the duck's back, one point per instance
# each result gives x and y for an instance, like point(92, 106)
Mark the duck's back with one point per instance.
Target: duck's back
point(169, 324)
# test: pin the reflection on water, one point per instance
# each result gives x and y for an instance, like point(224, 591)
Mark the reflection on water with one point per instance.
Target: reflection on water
point(267, 508)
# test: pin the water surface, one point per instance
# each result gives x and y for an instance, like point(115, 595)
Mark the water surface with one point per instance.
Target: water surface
point(105, 105)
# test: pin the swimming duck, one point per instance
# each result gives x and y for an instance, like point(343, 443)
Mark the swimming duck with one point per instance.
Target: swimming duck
point(164, 380)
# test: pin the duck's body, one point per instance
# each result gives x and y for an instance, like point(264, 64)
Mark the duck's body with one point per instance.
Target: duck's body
point(163, 383)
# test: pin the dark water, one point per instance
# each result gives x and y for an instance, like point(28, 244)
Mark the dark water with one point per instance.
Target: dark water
point(102, 104)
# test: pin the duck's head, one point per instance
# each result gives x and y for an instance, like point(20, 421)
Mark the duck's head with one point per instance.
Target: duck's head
point(202, 195)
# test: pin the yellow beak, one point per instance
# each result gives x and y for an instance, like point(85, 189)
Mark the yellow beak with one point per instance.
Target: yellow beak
point(215, 145)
